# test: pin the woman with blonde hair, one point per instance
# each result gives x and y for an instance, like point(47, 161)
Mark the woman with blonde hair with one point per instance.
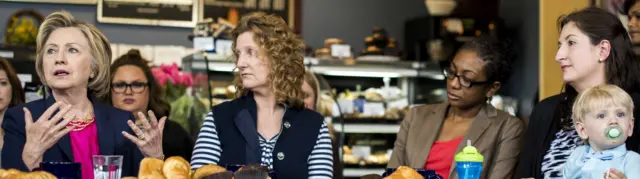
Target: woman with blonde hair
point(268, 124)
point(70, 125)
point(311, 89)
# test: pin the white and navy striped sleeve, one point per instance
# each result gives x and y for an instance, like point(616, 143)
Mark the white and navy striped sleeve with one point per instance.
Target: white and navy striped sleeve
point(207, 149)
point(321, 158)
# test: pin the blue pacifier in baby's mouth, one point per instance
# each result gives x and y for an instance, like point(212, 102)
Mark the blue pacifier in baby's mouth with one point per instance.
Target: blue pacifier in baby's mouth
point(613, 132)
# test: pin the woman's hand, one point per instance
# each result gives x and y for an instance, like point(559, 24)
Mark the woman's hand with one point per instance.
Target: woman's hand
point(45, 132)
point(148, 141)
point(614, 174)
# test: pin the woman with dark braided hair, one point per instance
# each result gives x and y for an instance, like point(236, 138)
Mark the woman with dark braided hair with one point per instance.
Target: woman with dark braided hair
point(593, 49)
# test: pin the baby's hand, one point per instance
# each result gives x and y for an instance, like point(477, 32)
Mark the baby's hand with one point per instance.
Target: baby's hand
point(614, 174)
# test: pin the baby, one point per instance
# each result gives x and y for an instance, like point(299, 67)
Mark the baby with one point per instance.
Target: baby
point(603, 118)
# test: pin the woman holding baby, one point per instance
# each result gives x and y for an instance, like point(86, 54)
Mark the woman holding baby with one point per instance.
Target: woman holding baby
point(593, 49)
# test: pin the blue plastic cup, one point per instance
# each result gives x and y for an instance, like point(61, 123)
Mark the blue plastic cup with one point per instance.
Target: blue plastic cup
point(469, 170)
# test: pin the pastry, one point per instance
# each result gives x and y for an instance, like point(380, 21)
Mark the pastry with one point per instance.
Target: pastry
point(368, 41)
point(404, 172)
point(379, 159)
point(207, 170)
point(3, 172)
point(11, 173)
point(331, 41)
point(323, 52)
point(176, 167)
point(346, 150)
point(150, 168)
point(373, 96)
point(350, 159)
point(38, 175)
point(373, 49)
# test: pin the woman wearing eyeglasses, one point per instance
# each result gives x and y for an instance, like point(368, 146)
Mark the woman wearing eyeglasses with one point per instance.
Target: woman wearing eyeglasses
point(431, 135)
point(134, 89)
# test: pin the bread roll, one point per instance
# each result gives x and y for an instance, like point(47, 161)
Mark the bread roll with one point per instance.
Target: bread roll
point(330, 41)
point(3, 172)
point(404, 172)
point(11, 173)
point(154, 175)
point(207, 170)
point(150, 168)
point(38, 175)
point(350, 159)
point(176, 168)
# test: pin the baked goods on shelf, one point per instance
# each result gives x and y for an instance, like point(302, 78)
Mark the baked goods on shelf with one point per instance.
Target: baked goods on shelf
point(379, 43)
point(374, 159)
point(350, 159)
point(404, 172)
point(377, 159)
point(383, 103)
point(325, 53)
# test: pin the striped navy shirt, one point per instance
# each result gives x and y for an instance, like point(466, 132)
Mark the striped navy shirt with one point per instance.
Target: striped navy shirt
point(207, 150)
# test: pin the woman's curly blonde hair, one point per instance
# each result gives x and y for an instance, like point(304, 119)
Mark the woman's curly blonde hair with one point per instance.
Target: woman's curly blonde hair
point(283, 49)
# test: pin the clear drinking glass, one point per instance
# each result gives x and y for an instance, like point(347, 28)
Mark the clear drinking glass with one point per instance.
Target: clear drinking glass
point(107, 166)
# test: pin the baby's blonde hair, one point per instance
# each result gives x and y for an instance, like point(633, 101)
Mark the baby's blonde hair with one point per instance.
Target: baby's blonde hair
point(599, 97)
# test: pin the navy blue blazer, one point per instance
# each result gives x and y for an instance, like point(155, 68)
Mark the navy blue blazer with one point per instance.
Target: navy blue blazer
point(109, 120)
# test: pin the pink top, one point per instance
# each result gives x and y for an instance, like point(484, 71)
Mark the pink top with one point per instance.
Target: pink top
point(441, 156)
point(84, 144)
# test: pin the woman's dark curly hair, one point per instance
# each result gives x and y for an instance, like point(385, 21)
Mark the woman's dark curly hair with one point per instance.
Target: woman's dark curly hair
point(621, 64)
point(495, 53)
point(628, 4)
point(157, 104)
point(283, 49)
point(17, 93)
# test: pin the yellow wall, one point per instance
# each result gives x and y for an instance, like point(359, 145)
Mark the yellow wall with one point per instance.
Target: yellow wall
point(549, 71)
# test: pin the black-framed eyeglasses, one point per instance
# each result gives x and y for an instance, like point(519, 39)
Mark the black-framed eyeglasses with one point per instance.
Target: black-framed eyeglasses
point(464, 81)
point(136, 87)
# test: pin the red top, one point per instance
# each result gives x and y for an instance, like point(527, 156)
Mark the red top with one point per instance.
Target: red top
point(84, 144)
point(441, 156)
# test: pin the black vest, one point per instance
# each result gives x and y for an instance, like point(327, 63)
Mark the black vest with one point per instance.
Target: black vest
point(237, 130)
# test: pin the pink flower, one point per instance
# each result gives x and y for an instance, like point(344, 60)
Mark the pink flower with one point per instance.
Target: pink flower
point(178, 78)
point(171, 79)
point(171, 70)
point(187, 79)
point(160, 76)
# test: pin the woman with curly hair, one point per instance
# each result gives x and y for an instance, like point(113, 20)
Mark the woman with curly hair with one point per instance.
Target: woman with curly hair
point(268, 123)
point(431, 135)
